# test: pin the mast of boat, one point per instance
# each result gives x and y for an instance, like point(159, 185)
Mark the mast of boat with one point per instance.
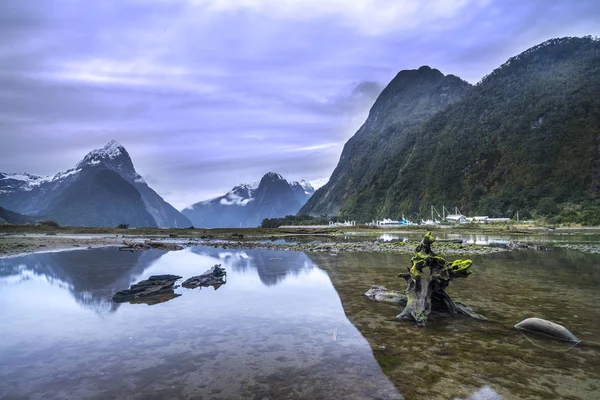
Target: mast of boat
point(445, 211)
point(436, 211)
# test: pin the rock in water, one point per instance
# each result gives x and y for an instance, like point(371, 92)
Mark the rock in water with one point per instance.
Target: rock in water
point(155, 287)
point(383, 295)
point(216, 276)
point(548, 328)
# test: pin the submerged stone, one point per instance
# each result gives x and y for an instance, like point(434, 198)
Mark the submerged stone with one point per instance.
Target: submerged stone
point(383, 295)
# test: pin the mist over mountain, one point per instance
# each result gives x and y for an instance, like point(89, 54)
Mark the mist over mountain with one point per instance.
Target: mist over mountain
point(525, 138)
point(246, 205)
point(103, 189)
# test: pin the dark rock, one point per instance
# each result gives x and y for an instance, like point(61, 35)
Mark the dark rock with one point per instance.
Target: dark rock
point(216, 276)
point(159, 298)
point(155, 289)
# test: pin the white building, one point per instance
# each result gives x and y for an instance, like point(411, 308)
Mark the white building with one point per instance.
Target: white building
point(456, 218)
point(498, 219)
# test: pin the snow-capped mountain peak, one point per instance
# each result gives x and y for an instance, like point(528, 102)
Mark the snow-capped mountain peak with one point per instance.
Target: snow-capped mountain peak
point(112, 151)
point(273, 175)
point(64, 195)
point(307, 187)
point(27, 182)
point(247, 204)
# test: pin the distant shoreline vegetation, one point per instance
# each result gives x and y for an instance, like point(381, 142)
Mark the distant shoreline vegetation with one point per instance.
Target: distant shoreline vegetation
point(302, 219)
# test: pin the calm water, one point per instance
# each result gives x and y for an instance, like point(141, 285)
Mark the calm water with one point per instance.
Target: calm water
point(290, 325)
point(453, 356)
point(277, 329)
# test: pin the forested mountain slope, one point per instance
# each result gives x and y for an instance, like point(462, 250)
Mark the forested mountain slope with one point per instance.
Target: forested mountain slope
point(526, 138)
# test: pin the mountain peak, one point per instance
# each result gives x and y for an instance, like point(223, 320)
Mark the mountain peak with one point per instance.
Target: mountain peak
point(247, 204)
point(113, 146)
point(306, 187)
point(273, 176)
point(113, 150)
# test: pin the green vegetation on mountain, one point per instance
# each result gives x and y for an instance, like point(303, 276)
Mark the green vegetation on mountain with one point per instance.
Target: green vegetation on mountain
point(408, 101)
point(297, 220)
point(526, 138)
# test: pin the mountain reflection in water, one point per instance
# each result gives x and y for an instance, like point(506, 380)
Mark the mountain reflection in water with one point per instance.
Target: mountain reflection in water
point(275, 330)
point(90, 276)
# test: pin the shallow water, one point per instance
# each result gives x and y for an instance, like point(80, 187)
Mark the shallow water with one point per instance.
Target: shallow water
point(275, 330)
point(452, 356)
point(291, 325)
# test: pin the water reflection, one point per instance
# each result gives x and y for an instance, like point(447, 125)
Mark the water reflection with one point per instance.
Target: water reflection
point(272, 266)
point(93, 276)
point(275, 330)
point(388, 237)
point(90, 276)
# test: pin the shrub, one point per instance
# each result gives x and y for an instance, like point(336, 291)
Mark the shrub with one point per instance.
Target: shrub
point(123, 226)
point(50, 223)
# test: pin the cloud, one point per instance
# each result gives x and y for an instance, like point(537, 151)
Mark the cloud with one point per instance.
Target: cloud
point(207, 94)
point(370, 17)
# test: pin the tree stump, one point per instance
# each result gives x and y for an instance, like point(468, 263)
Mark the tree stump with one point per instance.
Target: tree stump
point(425, 292)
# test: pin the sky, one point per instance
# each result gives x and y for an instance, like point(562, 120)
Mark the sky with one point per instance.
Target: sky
point(206, 94)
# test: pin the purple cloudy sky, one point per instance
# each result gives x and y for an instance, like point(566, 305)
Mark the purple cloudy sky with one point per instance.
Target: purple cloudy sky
point(205, 94)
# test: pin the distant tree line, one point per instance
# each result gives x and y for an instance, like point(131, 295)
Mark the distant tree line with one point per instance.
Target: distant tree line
point(302, 219)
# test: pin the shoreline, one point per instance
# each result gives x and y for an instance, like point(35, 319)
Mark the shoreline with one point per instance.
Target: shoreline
point(26, 239)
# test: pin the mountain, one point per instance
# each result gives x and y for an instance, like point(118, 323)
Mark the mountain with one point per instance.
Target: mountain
point(11, 217)
point(409, 100)
point(526, 138)
point(100, 197)
point(246, 205)
point(227, 211)
point(103, 189)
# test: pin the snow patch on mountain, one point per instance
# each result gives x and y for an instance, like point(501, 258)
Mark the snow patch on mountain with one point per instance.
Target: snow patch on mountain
point(27, 182)
point(232, 199)
point(307, 187)
point(112, 150)
point(273, 175)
